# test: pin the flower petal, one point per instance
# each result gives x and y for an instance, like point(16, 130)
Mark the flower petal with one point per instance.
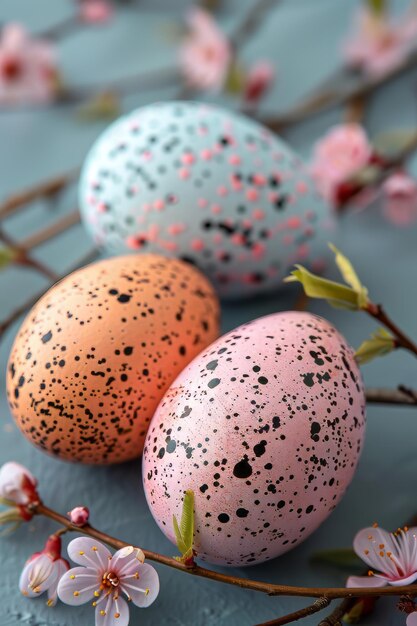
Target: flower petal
point(77, 586)
point(141, 584)
point(60, 567)
point(366, 581)
point(37, 576)
point(127, 558)
point(90, 553)
point(412, 619)
point(406, 580)
point(372, 545)
point(113, 613)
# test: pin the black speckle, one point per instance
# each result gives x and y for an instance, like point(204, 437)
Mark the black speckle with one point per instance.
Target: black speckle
point(242, 513)
point(259, 449)
point(242, 469)
point(213, 382)
point(308, 379)
point(262, 380)
point(47, 337)
point(223, 518)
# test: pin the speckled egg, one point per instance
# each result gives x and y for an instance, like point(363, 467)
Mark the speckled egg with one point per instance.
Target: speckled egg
point(98, 351)
point(208, 186)
point(266, 427)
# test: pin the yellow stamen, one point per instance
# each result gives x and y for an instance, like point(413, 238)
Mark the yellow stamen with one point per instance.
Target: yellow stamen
point(117, 615)
point(50, 602)
point(96, 593)
point(94, 603)
point(147, 591)
point(374, 525)
point(81, 553)
point(76, 593)
point(370, 573)
point(94, 548)
point(136, 575)
point(102, 612)
point(72, 576)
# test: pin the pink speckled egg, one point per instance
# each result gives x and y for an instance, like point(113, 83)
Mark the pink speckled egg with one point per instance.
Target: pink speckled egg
point(266, 427)
point(206, 185)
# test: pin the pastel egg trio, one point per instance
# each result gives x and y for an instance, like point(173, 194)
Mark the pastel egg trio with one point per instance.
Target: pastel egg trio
point(266, 424)
point(206, 185)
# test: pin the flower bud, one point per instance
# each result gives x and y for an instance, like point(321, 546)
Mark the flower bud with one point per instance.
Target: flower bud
point(79, 516)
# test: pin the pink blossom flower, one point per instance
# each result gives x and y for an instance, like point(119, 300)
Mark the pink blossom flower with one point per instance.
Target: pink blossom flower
point(43, 571)
point(392, 555)
point(205, 53)
point(17, 485)
point(28, 72)
point(379, 44)
point(79, 515)
point(258, 80)
point(412, 619)
point(400, 199)
point(337, 156)
point(103, 578)
point(95, 11)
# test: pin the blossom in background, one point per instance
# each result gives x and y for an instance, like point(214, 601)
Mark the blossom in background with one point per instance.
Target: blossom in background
point(392, 557)
point(379, 43)
point(95, 11)
point(43, 571)
point(28, 70)
point(17, 485)
point(337, 156)
point(103, 578)
point(205, 53)
point(79, 516)
point(258, 80)
point(400, 199)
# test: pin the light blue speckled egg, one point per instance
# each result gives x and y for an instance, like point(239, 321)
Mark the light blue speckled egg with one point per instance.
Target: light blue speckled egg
point(206, 185)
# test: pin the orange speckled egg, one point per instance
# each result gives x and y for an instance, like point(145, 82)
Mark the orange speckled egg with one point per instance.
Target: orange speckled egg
point(96, 354)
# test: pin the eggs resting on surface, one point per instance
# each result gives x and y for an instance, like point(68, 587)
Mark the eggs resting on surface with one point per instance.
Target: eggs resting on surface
point(207, 185)
point(266, 427)
point(98, 351)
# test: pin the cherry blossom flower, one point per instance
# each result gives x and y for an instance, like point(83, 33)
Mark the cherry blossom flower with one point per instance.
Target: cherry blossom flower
point(337, 156)
point(17, 485)
point(412, 619)
point(258, 80)
point(43, 571)
point(103, 578)
point(378, 43)
point(28, 72)
point(79, 515)
point(400, 199)
point(392, 555)
point(95, 11)
point(205, 53)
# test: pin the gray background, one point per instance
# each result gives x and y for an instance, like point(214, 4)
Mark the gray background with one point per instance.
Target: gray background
point(303, 38)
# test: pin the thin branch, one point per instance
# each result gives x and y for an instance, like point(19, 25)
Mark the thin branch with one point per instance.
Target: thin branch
point(334, 619)
point(45, 234)
point(319, 605)
point(62, 29)
point(251, 22)
point(21, 257)
point(340, 88)
point(403, 341)
point(270, 589)
point(45, 189)
point(401, 396)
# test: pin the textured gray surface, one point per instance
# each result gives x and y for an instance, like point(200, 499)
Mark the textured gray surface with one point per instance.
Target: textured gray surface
point(302, 36)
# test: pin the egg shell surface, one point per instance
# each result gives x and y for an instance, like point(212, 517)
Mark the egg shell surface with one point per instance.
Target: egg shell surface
point(98, 351)
point(266, 427)
point(197, 182)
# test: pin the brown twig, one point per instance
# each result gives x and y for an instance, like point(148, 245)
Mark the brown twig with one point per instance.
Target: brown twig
point(334, 619)
point(62, 29)
point(21, 257)
point(270, 589)
point(319, 605)
point(45, 189)
point(401, 396)
point(250, 22)
point(343, 86)
point(62, 225)
point(402, 340)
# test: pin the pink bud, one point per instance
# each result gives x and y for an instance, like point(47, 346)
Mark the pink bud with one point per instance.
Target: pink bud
point(258, 81)
point(79, 516)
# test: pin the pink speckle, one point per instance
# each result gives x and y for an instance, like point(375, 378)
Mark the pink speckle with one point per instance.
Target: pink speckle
point(258, 214)
point(237, 239)
point(91, 200)
point(259, 180)
point(176, 229)
point(216, 209)
point(102, 208)
point(303, 251)
point(206, 154)
point(147, 156)
point(184, 173)
point(202, 130)
point(293, 223)
point(217, 238)
point(234, 159)
point(187, 158)
point(222, 191)
point(273, 196)
point(301, 187)
point(236, 183)
point(258, 251)
point(202, 203)
point(159, 205)
point(153, 232)
point(252, 194)
point(247, 224)
point(318, 265)
point(134, 242)
point(197, 244)
point(287, 240)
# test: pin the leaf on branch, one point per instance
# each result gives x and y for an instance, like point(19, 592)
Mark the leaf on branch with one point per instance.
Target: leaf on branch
point(235, 80)
point(104, 105)
point(184, 532)
point(361, 608)
point(339, 557)
point(7, 255)
point(390, 143)
point(378, 7)
point(381, 343)
point(353, 296)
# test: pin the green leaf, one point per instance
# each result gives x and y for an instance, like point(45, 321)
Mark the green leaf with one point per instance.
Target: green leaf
point(350, 276)
point(378, 7)
point(235, 80)
point(6, 256)
point(392, 142)
point(339, 557)
point(184, 532)
point(381, 343)
point(336, 294)
point(104, 105)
